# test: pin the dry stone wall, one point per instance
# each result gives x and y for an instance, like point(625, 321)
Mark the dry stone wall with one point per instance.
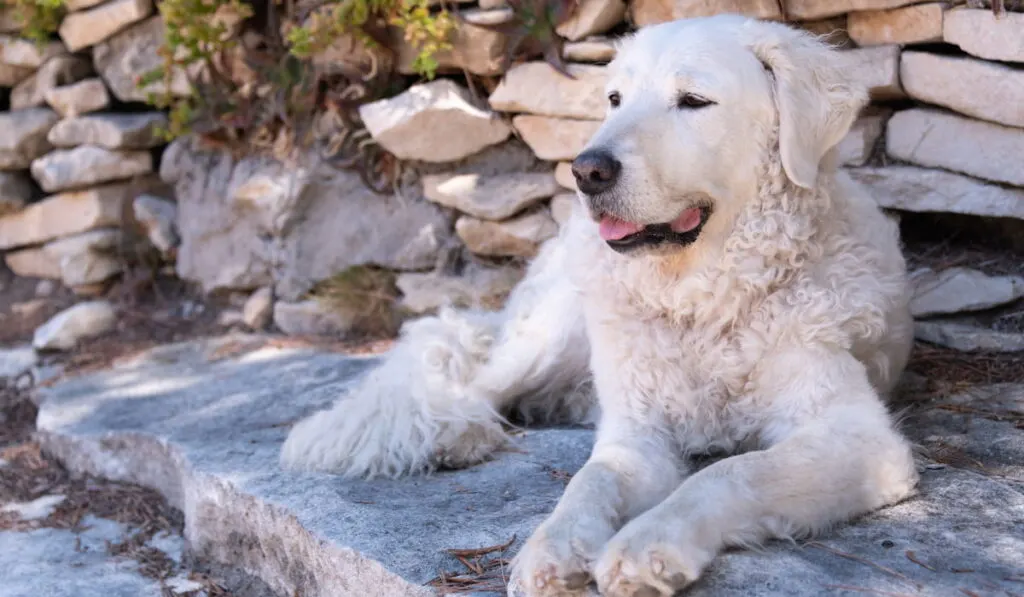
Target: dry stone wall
point(944, 133)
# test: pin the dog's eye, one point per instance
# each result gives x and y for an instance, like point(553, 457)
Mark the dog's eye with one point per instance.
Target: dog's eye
point(614, 98)
point(691, 101)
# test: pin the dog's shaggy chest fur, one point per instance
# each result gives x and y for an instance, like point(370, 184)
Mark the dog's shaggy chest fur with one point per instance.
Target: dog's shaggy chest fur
point(772, 331)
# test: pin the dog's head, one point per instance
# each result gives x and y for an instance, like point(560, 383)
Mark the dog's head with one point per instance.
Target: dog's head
point(696, 108)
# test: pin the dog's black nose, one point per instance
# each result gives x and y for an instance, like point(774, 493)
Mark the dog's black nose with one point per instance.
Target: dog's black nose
point(596, 171)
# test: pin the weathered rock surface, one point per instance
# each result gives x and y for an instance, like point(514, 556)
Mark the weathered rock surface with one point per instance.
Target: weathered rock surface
point(206, 431)
point(475, 49)
point(910, 188)
point(258, 222)
point(85, 28)
point(66, 329)
point(159, 218)
point(133, 52)
point(57, 71)
point(411, 124)
point(877, 68)
point(73, 5)
point(33, 263)
point(258, 310)
point(564, 176)
point(960, 289)
point(562, 206)
point(805, 10)
point(476, 288)
point(88, 165)
point(490, 197)
point(537, 88)
point(309, 318)
point(16, 51)
point(555, 139)
point(112, 131)
point(857, 145)
point(592, 17)
point(978, 88)
point(87, 95)
point(649, 12)
point(967, 337)
point(939, 139)
point(834, 29)
point(24, 137)
point(10, 76)
point(918, 23)
point(15, 192)
point(981, 33)
point(86, 258)
point(589, 50)
point(63, 215)
point(15, 361)
point(518, 237)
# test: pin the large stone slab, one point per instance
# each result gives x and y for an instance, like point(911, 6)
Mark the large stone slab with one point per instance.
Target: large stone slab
point(978, 88)
point(418, 124)
point(968, 336)
point(877, 68)
point(122, 58)
point(86, 258)
point(918, 23)
point(57, 71)
point(591, 18)
point(87, 95)
point(961, 289)
point(806, 10)
point(17, 51)
point(594, 49)
point(520, 236)
point(555, 139)
point(474, 49)
point(910, 188)
point(537, 88)
point(15, 192)
point(138, 130)
point(935, 138)
point(24, 137)
point(88, 165)
point(203, 424)
point(981, 33)
point(63, 215)
point(857, 146)
point(33, 263)
point(12, 75)
point(490, 197)
point(85, 28)
point(649, 12)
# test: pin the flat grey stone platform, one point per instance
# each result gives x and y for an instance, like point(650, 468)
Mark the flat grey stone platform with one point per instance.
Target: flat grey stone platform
point(202, 422)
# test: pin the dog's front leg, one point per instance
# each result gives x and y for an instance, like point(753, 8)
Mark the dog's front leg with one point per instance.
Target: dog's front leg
point(628, 472)
point(832, 454)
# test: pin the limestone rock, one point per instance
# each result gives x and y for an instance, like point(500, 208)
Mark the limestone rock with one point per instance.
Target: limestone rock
point(564, 176)
point(649, 12)
point(490, 197)
point(33, 263)
point(475, 49)
point(24, 137)
point(562, 206)
point(877, 68)
point(960, 289)
point(112, 131)
point(978, 88)
point(592, 17)
point(309, 318)
point(589, 50)
point(806, 10)
point(966, 337)
point(835, 30)
point(537, 88)
point(133, 52)
point(15, 192)
point(159, 218)
point(411, 124)
point(57, 71)
point(518, 237)
point(87, 95)
point(9, 21)
point(74, 5)
point(88, 165)
point(16, 51)
point(63, 215)
point(982, 34)
point(15, 361)
point(555, 139)
point(909, 188)
point(10, 76)
point(476, 288)
point(85, 28)
point(855, 149)
point(938, 139)
point(83, 321)
point(258, 310)
point(87, 258)
point(918, 23)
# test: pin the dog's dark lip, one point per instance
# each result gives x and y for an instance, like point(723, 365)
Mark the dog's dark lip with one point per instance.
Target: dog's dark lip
point(654, 235)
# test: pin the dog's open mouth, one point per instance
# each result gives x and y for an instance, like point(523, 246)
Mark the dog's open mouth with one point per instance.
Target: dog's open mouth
point(625, 236)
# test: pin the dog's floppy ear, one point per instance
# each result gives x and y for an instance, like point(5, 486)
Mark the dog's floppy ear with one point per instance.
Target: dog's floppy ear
point(817, 103)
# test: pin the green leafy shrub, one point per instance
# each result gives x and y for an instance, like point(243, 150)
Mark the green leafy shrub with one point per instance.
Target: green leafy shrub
point(38, 19)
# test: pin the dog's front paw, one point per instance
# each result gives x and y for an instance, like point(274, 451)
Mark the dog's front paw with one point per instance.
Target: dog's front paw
point(645, 560)
point(556, 561)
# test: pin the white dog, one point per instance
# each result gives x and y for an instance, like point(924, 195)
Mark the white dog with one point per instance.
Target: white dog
point(722, 288)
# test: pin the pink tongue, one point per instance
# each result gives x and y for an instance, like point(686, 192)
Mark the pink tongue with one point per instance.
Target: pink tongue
point(687, 221)
point(616, 229)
